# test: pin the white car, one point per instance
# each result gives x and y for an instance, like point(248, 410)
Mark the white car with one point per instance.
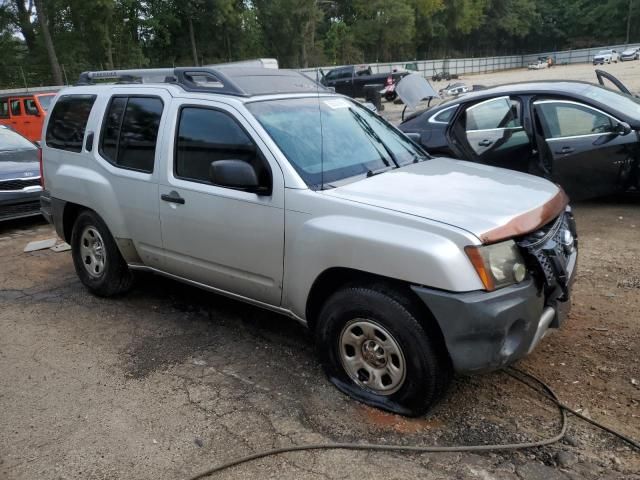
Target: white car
point(632, 53)
point(606, 56)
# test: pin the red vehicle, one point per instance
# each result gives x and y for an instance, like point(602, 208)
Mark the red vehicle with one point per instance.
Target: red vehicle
point(24, 111)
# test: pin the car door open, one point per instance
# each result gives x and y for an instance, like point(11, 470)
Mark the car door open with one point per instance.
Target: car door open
point(590, 152)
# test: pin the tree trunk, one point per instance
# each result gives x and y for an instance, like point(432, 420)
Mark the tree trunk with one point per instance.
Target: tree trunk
point(24, 22)
point(56, 72)
point(192, 37)
point(629, 21)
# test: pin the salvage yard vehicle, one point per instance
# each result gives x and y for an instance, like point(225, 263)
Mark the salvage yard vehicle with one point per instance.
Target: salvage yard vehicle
point(24, 111)
point(583, 136)
point(351, 80)
point(19, 176)
point(606, 56)
point(270, 189)
point(632, 53)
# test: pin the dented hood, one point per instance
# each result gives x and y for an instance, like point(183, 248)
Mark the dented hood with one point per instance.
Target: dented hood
point(491, 203)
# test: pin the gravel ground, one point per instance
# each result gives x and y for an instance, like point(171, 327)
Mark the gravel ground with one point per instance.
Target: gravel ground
point(169, 380)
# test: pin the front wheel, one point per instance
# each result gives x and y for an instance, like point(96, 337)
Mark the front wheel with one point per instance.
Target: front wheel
point(373, 348)
point(96, 257)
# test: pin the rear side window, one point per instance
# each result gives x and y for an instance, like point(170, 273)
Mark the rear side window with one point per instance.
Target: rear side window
point(130, 132)
point(68, 122)
point(15, 107)
point(4, 108)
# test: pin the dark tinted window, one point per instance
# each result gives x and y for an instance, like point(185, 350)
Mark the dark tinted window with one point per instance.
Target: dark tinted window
point(68, 122)
point(130, 132)
point(205, 136)
point(111, 129)
point(15, 107)
point(4, 108)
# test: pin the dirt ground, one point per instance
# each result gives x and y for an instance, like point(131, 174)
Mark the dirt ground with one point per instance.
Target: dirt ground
point(170, 380)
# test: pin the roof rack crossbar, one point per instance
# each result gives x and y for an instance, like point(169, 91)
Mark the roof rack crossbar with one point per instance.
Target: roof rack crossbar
point(193, 79)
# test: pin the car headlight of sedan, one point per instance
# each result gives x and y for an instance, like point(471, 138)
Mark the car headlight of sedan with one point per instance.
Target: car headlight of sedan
point(498, 265)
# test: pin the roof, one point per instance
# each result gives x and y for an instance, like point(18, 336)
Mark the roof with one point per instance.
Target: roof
point(232, 80)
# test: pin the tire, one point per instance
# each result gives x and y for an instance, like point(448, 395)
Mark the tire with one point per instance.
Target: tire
point(390, 96)
point(366, 333)
point(96, 257)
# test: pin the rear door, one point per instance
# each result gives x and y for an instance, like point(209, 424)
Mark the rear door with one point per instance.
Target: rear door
point(588, 156)
point(5, 118)
point(492, 132)
point(32, 119)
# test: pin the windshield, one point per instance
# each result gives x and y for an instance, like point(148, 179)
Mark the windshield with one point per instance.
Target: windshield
point(350, 141)
point(45, 101)
point(11, 141)
point(615, 99)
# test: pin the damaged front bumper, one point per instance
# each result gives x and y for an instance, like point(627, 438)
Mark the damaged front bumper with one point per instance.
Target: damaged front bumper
point(485, 331)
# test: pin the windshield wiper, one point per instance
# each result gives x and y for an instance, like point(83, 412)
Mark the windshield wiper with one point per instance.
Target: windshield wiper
point(372, 133)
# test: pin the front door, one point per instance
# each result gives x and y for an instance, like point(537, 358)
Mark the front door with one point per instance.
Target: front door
point(32, 119)
point(228, 239)
point(588, 156)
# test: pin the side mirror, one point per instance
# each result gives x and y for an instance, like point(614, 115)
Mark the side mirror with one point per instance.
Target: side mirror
point(623, 129)
point(234, 174)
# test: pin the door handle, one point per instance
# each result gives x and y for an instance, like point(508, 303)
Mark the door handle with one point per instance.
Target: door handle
point(566, 150)
point(173, 197)
point(485, 143)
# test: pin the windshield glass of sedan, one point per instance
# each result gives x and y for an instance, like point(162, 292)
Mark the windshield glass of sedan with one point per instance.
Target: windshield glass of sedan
point(11, 141)
point(615, 99)
point(349, 141)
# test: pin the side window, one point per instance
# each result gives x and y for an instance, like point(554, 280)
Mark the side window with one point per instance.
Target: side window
point(562, 119)
point(68, 122)
point(130, 132)
point(205, 136)
point(30, 106)
point(15, 107)
point(496, 113)
point(4, 108)
point(444, 116)
point(495, 127)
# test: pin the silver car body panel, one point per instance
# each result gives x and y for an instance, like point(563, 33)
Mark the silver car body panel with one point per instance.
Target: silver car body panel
point(411, 224)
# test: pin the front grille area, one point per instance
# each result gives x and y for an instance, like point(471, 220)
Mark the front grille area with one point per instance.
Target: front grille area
point(548, 252)
point(18, 184)
point(19, 210)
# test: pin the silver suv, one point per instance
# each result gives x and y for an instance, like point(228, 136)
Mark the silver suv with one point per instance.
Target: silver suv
point(266, 187)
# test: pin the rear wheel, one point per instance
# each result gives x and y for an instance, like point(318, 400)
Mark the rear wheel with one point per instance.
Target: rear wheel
point(373, 348)
point(96, 257)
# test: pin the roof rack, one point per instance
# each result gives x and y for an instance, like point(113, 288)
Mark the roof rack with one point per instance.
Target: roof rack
point(193, 79)
point(230, 79)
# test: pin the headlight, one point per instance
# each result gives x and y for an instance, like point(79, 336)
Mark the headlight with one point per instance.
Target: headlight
point(498, 265)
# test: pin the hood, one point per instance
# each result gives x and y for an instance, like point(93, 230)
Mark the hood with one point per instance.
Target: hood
point(630, 52)
point(19, 164)
point(491, 203)
point(602, 55)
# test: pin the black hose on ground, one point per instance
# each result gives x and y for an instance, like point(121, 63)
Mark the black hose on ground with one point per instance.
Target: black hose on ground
point(517, 374)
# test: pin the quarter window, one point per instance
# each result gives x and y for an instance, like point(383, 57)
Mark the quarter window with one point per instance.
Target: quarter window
point(207, 135)
point(130, 132)
point(68, 122)
point(572, 119)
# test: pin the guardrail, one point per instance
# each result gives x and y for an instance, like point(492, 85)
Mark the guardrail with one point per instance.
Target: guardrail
point(470, 66)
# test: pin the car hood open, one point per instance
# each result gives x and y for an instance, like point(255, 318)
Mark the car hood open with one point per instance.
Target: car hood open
point(491, 203)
